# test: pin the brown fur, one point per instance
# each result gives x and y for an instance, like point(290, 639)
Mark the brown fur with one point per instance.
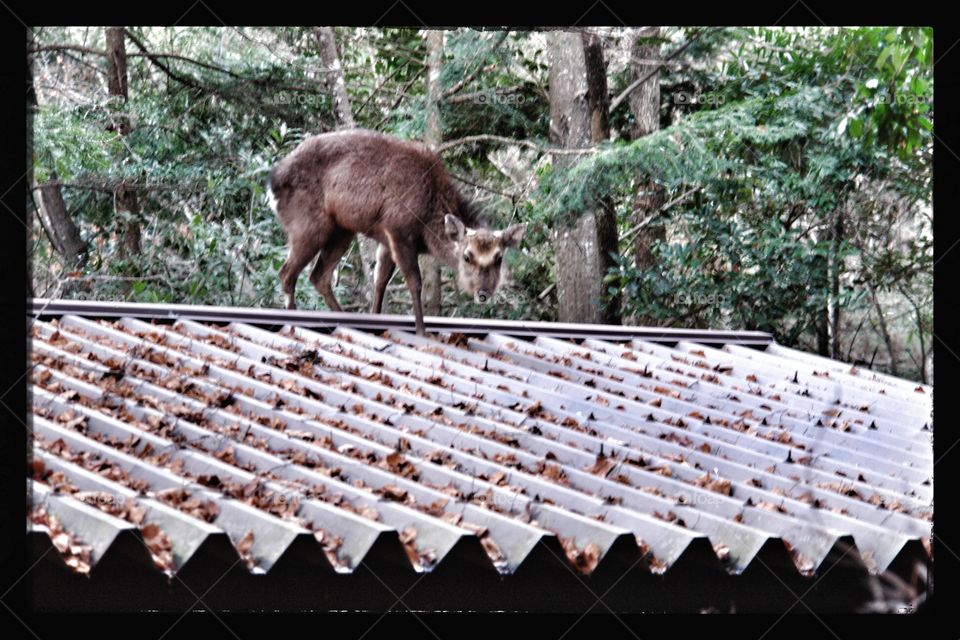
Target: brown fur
point(335, 185)
point(485, 244)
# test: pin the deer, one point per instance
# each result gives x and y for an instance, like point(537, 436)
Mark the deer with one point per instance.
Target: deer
point(335, 185)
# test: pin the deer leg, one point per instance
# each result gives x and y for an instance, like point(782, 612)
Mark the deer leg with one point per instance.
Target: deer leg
point(322, 275)
point(405, 256)
point(384, 270)
point(302, 250)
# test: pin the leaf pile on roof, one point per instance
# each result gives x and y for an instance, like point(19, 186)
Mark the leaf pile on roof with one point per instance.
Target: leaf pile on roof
point(76, 554)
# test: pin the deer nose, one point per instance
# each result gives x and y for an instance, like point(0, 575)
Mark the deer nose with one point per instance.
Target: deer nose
point(483, 296)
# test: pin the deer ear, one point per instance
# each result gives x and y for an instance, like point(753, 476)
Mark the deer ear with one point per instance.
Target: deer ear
point(454, 227)
point(512, 235)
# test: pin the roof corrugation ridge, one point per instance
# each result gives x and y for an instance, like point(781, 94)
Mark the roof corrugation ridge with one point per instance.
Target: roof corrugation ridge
point(67, 329)
point(685, 399)
point(747, 385)
point(595, 534)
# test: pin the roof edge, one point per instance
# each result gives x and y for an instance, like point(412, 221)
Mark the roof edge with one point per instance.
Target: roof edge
point(48, 307)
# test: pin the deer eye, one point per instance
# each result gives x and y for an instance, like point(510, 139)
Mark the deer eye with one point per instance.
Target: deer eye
point(467, 258)
point(498, 259)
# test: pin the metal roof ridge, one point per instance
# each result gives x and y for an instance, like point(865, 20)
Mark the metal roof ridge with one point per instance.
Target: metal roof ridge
point(43, 307)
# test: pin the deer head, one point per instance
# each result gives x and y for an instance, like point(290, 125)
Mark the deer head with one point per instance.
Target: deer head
point(479, 255)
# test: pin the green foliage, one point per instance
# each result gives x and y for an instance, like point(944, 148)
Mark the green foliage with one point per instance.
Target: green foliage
point(807, 127)
point(891, 106)
point(71, 142)
point(788, 157)
point(726, 274)
point(699, 150)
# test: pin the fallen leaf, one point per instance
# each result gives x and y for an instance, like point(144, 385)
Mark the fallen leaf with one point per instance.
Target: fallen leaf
point(586, 559)
point(602, 466)
point(393, 492)
point(715, 483)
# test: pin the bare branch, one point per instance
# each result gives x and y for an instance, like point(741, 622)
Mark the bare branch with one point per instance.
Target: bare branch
point(475, 95)
point(513, 197)
point(446, 146)
point(198, 63)
point(97, 276)
point(109, 186)
point(156, 57)
point(470, 78)
point(380, 86)
point(142, 54)
point(643, 223)
point(190, 82)
point(473, 76)
point(67, 47)
point(401, 96)
point(673, 54)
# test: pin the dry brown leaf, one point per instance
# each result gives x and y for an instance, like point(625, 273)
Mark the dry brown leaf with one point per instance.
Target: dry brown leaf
point(534, 410)
point(437, 506)
point(586, 559)
point(769, 506)
point(369, 512)
point(554, 472)
point(393, 492)
point(714, 483)
point(602, 466)
point(77, 556)
point(453, 518)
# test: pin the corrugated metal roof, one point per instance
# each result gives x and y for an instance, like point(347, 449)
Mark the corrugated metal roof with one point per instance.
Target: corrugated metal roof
point(199, 438)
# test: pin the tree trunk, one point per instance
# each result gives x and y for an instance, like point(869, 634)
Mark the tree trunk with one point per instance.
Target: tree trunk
point(31, 110)
point(578, 119)
point(823, 333)
point(124, 199)
point(644, 101)
point(644, 104)
point(432, 295)
point(821, 283)
point(884, 330)
point(343, 113)
point(921, 330)
point(596, 77)
point(63, 232)
point(333, 76)
point(47, 199)
point(836, 267)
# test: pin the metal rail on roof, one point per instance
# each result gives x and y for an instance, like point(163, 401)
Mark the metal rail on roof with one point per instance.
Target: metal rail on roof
point(49, 308)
